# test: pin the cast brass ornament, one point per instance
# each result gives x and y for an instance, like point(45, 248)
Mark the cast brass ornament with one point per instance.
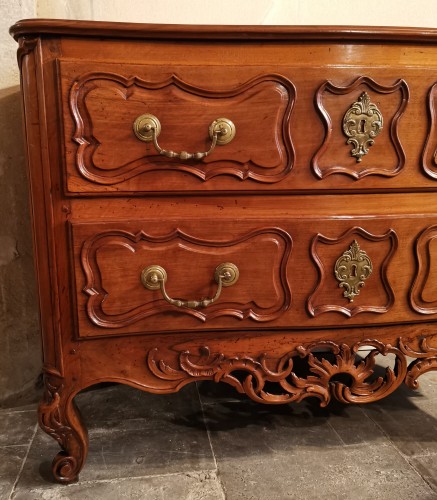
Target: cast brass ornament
point(147, 128)
point(352, 269)
point(154, 278)
point(362, 123)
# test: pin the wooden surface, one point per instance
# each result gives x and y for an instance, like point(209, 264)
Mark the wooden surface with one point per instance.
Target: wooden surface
point(284, 201)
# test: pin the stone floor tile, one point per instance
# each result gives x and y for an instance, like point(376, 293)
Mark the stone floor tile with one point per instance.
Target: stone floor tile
point(188, 486)
point(164, 449)
point(353, 426)
point(281, 428)
point(426, 466)
point(121, 407)
point(11, 459)
point(409, 423)
point(286, 455)
point(129, 438)
point(362, 472)
point(17, 427)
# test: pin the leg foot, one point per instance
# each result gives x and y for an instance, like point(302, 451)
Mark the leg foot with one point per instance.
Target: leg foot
point(60, 418)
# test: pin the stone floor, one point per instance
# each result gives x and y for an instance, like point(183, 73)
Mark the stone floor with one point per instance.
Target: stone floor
point(208, 443)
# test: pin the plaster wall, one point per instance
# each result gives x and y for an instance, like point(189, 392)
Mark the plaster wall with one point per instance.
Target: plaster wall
point(20, 358)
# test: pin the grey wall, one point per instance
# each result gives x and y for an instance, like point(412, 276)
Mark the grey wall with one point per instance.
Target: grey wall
point(20, 357)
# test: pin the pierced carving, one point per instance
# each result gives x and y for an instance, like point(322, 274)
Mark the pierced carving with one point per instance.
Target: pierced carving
point(362, 123)
point(429, 157)
point(59, 418)
point(335, 371)
point(277, 94)
point(418, 299)
point(426, 362)
point(352, 269)
point(317, 305)
point(399, 86)
point(151, 304)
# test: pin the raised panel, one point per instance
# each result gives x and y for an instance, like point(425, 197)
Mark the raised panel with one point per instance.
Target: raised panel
point(112, 260)
point(103, 149)
point(375, 294)
point(429, 159)
point(386, 156)
point(423, 293)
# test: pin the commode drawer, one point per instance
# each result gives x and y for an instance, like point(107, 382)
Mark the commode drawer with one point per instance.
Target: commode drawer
point(146, 128)
point(144, 276)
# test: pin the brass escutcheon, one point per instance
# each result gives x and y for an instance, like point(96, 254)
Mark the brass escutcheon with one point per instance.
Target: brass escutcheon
point(352, 269)
point(362, 123)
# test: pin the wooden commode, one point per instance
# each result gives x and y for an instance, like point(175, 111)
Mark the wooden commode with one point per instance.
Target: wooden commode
point(218, 202)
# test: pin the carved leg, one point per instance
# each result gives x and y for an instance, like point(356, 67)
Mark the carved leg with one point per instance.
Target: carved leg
point(60, 418)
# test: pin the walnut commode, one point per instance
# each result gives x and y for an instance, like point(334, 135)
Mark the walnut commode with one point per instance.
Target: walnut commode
point(213, 203)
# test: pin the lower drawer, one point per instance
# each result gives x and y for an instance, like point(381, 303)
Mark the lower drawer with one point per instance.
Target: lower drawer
point(148, 276)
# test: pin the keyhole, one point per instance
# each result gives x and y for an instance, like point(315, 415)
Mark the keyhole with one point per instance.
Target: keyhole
point(353, 271)
point(362, 127)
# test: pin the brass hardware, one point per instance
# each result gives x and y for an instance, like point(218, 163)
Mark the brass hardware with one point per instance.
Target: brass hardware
point(147, 128)
point(362, 123)
point(224, 129)
point(154, 278)
point(352, 269)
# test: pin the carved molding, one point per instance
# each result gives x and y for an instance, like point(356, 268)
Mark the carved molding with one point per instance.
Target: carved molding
point(426, 361)
point(249, 169)
point(315, 309)
point(334, 370)
point(25, 47)
point(97, 293)
point(429, 157)
point(424, 266)
point(328, 86)
point(59, 418)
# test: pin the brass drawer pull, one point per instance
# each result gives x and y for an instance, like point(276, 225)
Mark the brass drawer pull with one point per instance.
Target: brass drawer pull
point(147, 128)
point(154, 278)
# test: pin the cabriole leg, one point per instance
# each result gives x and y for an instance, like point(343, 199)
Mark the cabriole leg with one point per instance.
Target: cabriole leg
point(59, 417)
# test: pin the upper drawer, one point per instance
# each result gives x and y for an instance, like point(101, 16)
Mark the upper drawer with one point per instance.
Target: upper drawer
point(246, 128)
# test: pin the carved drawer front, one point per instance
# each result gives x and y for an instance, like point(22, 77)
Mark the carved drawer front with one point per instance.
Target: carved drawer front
point(149, 276)
point(145, 128)
point(141, 277)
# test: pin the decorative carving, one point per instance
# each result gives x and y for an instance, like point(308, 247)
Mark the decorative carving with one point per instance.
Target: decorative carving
point(59, 418)
point(352, 269)
point(315, 309)
point(427, 361)
point(328, 86)
point(362, 123)
point(335, 371)
point(155, 305)
point(424, 265)
point(25, 46)
point(429, 157)
point(275, 88)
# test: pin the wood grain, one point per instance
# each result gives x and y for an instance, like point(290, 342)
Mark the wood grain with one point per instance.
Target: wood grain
point(104, 206)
